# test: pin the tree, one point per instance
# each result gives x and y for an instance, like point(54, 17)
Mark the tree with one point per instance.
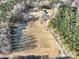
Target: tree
point(67, 23)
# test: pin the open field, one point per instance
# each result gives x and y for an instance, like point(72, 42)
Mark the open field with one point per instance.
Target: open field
point(45, 44)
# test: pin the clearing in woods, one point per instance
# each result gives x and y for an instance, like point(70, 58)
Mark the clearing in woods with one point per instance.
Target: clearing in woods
point(45, 42)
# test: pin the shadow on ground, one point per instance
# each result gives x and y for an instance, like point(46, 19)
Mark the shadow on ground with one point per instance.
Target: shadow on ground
point(38, 57)
point(20, 41)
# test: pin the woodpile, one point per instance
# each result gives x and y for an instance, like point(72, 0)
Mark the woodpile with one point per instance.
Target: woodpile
point(4, 40)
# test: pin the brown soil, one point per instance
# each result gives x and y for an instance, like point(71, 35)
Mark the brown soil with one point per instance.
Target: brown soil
point(45, 42)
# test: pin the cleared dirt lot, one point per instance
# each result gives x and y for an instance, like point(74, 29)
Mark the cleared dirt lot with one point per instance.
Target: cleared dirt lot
point(45, 42)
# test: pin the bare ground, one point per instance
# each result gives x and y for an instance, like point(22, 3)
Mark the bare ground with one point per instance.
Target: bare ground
point(45, 45)
point(45, 41)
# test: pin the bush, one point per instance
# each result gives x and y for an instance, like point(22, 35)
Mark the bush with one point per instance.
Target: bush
point(49, 23)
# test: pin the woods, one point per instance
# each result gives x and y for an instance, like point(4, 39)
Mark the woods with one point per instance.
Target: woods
point(66, 23)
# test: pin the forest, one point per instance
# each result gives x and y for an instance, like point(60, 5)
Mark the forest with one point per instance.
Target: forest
point(66, 23)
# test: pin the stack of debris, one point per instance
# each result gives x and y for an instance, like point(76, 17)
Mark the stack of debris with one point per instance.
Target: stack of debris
point(4, 40)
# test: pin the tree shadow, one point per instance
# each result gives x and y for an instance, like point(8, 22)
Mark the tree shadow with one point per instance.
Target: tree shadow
point(32, 57)
point(68, 57)
point(19, 41)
